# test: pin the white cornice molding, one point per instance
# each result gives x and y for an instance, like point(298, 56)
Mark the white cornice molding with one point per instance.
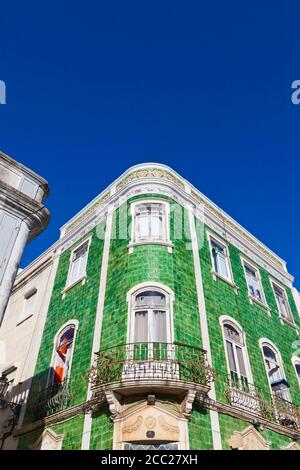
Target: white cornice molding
point(154, 185)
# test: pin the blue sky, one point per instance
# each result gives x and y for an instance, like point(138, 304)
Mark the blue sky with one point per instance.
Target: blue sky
point(95, 87)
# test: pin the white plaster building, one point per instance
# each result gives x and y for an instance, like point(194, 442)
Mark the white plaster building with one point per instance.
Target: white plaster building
point(22, 217)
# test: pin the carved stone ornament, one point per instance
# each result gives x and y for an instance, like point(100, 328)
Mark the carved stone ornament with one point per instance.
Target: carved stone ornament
point(249, 439)
point(48, 440)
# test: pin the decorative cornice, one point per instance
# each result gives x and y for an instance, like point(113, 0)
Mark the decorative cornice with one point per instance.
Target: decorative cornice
point(159, 173)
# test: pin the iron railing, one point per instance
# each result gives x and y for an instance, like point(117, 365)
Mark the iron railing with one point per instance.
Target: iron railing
point(286, 413)
point(245, 396)
point(52, 399)
point(150, 361)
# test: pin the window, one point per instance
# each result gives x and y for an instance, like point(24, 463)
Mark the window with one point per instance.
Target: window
point(150, 222)
point(78, 263)
point(151, 318)
point(63, 352)
point(236, 355)
point(296, 363)
point(278, 384)
point(254, 283)
point(29, 304)
point(282, 303)
point(220, 260)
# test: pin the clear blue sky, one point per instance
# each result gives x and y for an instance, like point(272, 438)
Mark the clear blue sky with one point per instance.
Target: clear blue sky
point(94, 87)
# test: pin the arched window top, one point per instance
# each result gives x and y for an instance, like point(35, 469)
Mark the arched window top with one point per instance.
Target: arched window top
point(233, 333)
point(270, 353)
point(63, 352)
point(150, 298)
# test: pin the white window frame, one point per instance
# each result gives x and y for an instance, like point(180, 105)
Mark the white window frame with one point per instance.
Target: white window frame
point(229, 280)
point(28, 294)
point(290, 321)
point(271, 345)
point(252, 298)
point(166, 241)
point(224, 319)
point(82, 279)
point(74, 323)
point(146, 286)
point(296, 360)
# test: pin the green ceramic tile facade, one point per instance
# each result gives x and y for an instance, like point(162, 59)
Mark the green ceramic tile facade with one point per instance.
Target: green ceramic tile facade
point(153, 263)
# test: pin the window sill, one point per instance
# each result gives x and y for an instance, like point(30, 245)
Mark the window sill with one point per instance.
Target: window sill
point(169, 244)
point(24, 319)
point(261, 304)
point(81, 281)
point(216, 276)
point(289, 322)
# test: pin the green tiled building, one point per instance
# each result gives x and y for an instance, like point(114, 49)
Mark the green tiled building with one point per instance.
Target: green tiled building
point(169, 325)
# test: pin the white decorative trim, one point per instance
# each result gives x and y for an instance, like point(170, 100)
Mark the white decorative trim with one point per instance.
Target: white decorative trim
point(214, 418)
point(167, 242)
point(223, 319)
point(296, 360)
point(48, 440)
point(224, 244)
point(251, 298)
point(266, 342)
point(87, 427)
point(169, 307)
point(83, 277)
point(283, 320)
point(62, 328)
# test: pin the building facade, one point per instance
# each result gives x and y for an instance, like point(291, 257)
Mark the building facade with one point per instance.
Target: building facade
point(22, 217)
point(169, 326)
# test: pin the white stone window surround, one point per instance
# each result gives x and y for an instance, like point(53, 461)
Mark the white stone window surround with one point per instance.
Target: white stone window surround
point(82, 278)
point(263, 302)
point(150, 286)
point(296, 362)
point(266, 342)
point(166, 224)
point(63, 328)
point(229, 279)
point(226, 319)
point(29, 305)
point(290, 321)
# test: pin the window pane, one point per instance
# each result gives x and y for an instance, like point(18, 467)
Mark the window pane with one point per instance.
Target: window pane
point(150, 222)
point(298, 369)
point(150, 299)
point(64, 351)
point(78, 263)
point(159, 330)
point(141, 327)
point(241, 361)
point(230, 356)
point(223, 271)
point(232, 334)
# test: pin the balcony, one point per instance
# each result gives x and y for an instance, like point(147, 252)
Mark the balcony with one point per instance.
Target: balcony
point(156, 365)
point(286, 413)
point(51, 400)
point(243, 395)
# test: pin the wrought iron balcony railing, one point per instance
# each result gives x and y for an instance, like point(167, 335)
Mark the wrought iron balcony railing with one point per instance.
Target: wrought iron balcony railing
point(245, 396)
point(54, 398)
point(286, 413)
point(151, 361)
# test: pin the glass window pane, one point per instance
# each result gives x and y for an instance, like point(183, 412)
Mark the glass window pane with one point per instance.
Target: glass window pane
point(141, 327)
point(159, 330)
point(150, 299)
point(230, 356)
point(242, 366)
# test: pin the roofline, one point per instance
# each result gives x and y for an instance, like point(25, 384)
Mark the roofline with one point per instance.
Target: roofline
point(166, 167)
